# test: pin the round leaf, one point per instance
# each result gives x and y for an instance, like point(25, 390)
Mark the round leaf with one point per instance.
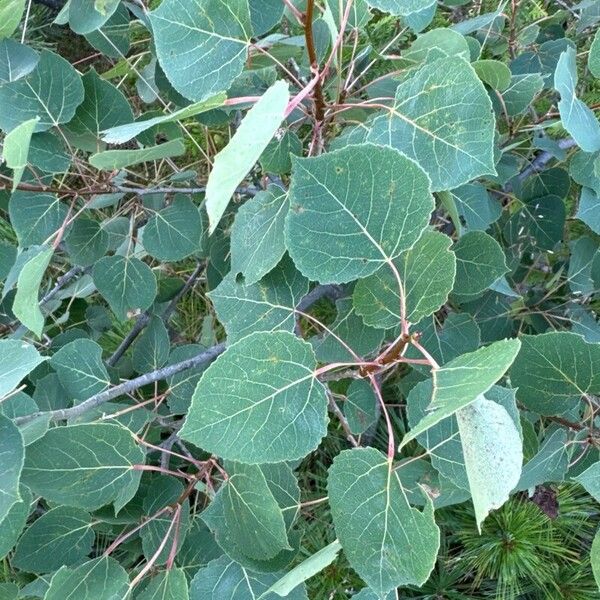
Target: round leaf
point(353, 210)
point(263, 388)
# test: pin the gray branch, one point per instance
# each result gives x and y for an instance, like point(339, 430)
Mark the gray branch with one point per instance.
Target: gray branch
point(61, 282)
point(250, 190)
point(540, 161)
point(543, 158)
point(331, 291)
point(202, 359)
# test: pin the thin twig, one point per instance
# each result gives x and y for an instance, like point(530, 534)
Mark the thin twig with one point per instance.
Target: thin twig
point(314, 61)
point(116, 189)
point(335, 409)
point(62, 281)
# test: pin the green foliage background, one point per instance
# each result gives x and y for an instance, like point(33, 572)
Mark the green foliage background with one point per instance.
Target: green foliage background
point(327, 326)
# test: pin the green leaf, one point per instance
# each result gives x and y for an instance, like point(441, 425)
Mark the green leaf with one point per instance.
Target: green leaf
point(350, 329)
point(14, 522)
point(520, 94)
point(595, 558)
point(277, 156)
point(102, 578)
point(583, 170)
point(86, 242)
point(353, 210)
point(387, 542)
point(264, 15)
point(551, 182)
point(124, 132)
point(47, 153)
point(80, 369)
point(23, 257)
point(588, 210)
point(249, 141)
point(17, 360)
point(421, 19)
point(554, 371)
point(86, 466)
point(61, 537)
point(224, 579)
point(583, 252)
point(198, 549)
point(112, 39)
point(11, 12)
point(239, 392)
point(442, 118)
point(175, 232)
point(12, 452)
point(472, 374)
point(128, 284)
point(542, 219)
point(443, 41)
point(579, 120)
point(86, 16)
point(35, 428)
point(201, 46)
point(491, 312)
point(493, 454)
point(16, 149)
point(482, 23)
point(257, 238)
point(594, 56)
point(16, 60)
point(549, 464)
point(268, 305)
point(252, 513)
point(53, 91)
point(306, 569)
point(182, 385)
point(493, 72)
point(450, 205)
point(112, 160)
point(478, 209)
point(360, 406)
point(284, 488)
point(103, 106)
point(167, 585)
point(35, 217)
point(462, 380)
point(25, 306)
point(399, 7)
point(151, 350)
point(369, 594)
point(427, 272)
point(480, 261)
point(8, 256)
point(590, 480)
point(443, 440)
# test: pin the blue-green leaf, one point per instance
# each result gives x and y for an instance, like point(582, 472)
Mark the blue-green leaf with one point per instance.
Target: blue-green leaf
point(239, 392)
point(442, 118)
point(53, 91)
point(387, 542)
point(201, 44)
point(579, 120)
point(97, 469)
point(353, 210)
